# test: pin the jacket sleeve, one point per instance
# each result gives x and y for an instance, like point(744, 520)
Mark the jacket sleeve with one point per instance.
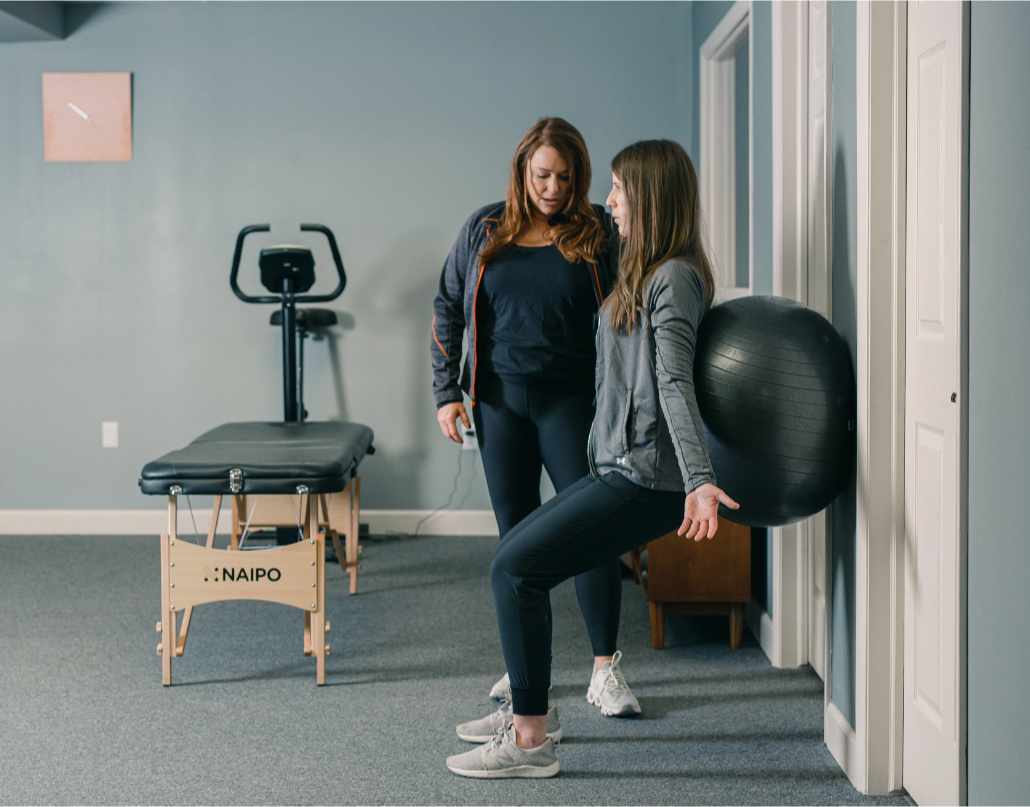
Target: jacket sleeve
point(449, 320)
point(676, 304)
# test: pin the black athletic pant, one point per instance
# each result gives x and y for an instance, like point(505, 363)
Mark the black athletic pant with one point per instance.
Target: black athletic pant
point(592, 522)
point(523, 428)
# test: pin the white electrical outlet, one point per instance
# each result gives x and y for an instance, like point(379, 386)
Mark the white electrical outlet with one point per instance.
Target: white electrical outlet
point(109, 434)
point(468, 439)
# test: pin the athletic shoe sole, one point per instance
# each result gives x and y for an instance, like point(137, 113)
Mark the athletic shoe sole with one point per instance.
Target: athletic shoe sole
point(625, 711)
point(518, 772)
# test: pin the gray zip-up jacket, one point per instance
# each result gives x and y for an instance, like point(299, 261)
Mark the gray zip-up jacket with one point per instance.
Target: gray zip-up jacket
point(647, 425)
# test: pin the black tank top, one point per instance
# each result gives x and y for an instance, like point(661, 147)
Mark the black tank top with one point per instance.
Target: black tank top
point(535, 317)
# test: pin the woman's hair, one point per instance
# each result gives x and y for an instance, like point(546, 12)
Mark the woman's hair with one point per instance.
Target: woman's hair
point(575, 230)
point(664, 211)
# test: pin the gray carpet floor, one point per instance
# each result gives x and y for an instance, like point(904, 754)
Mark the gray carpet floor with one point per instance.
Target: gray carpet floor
point(85, 719)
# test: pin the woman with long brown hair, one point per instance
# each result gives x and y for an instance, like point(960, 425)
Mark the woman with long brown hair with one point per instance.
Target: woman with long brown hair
point(523, 283)
point(649, 464)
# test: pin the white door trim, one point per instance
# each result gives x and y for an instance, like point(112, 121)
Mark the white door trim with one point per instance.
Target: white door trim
point(718, 163)
point(790, 150)
point(783, 634)
point(870, 752)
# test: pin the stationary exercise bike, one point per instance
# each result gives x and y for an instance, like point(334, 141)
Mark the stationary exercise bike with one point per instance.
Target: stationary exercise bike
point(288, 271)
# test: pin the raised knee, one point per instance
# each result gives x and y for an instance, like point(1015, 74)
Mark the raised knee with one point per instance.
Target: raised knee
point(498, 570)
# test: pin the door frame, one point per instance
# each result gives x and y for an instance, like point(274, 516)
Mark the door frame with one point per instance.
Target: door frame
point(801, 271)
point(718, 154)
point(870, 752)
point(789, 544)
point(783, 634)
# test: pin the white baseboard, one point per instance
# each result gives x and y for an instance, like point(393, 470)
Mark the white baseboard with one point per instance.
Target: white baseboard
point(155, 522)
point(761, 626)
point(444, 522)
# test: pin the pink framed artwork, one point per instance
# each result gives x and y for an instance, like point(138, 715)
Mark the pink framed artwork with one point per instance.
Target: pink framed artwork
point(87, 117)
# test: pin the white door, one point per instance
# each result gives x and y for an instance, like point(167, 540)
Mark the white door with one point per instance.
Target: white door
point(934, 759)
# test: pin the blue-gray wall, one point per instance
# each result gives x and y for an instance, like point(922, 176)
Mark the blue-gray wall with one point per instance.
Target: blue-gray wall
point(999, 391)
point(844, 270)
point(387, 122)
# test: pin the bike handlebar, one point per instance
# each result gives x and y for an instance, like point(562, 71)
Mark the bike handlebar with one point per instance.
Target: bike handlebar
point(275, 298)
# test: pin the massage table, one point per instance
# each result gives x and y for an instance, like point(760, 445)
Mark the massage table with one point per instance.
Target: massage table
point(300, 475)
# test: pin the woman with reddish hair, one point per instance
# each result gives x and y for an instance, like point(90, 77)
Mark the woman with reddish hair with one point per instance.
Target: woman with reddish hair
point(522, 286)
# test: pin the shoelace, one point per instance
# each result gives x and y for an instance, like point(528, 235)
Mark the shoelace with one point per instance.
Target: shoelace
point(497, 740)
point(612, 678)
point(505, 714)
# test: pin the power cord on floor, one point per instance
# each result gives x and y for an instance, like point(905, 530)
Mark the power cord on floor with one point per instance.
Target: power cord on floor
point(445, 505)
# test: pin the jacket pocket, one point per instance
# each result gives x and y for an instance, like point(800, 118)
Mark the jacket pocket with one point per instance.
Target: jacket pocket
point(611, 425)
point(627, 429)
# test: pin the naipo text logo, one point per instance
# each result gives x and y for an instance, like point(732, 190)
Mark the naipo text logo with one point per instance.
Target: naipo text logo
point(242, 574)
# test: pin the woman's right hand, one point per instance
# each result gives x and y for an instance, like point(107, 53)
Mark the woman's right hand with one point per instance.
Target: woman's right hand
point(447, 416)
point(701, 511)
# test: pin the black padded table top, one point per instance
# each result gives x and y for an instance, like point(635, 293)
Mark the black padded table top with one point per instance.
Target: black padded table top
point(270, 458)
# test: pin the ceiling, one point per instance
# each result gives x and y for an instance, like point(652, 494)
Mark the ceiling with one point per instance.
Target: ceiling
point(31, 21)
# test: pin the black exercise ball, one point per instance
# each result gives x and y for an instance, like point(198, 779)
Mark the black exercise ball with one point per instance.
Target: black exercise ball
point(776, 392)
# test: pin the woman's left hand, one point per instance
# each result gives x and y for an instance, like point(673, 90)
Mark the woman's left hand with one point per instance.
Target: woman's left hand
point(701, 511)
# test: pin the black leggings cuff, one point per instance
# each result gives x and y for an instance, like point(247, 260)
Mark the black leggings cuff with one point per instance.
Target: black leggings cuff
point(529, 701)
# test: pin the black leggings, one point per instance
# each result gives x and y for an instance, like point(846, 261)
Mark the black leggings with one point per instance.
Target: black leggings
point(591, 522)
point(525, 428)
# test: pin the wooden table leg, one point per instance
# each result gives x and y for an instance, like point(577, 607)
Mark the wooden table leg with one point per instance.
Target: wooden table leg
point(736, 625)
point(239, 507)
point(657, 625)
point(167, 625)
point(180, 642)
point(352, 533)
point(317, 621)
point(333, 533)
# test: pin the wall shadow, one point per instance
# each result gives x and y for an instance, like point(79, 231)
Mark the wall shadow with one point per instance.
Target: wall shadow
point(842, 515)
point(76, 15)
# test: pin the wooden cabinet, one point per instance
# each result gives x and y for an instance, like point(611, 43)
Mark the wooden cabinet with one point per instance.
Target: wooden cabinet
point(700, 577)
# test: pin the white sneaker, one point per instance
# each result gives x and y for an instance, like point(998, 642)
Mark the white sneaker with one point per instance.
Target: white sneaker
point(484, 729)
point(609, 690)
point(502, 690)
point(501, 758)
